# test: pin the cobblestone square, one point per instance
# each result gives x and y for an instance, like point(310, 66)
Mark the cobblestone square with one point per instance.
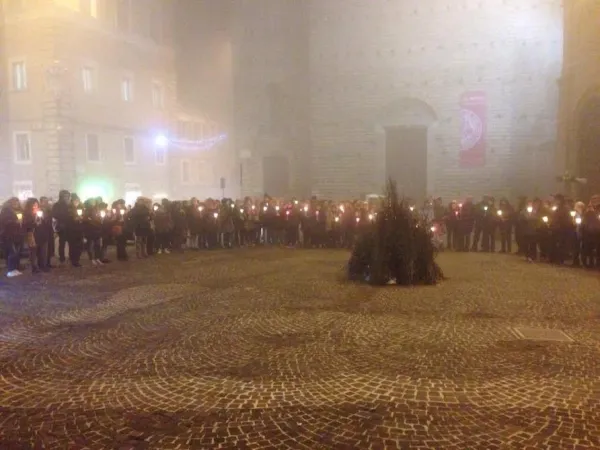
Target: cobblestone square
point(272, 348)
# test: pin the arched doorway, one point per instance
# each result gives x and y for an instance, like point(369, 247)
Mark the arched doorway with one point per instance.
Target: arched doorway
point(589, 146)
point(406, 125)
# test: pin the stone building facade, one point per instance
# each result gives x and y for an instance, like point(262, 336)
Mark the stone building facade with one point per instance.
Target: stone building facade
point(89, 98)
point(579, 124)
point(448, 98)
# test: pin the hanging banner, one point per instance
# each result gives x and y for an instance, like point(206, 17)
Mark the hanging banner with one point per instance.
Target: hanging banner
point(473, 117)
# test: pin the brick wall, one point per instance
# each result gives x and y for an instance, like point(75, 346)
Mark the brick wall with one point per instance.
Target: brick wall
point(367, 55)
point(366, 60)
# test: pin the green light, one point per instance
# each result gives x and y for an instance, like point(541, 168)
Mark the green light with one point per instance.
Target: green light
point(95, 188)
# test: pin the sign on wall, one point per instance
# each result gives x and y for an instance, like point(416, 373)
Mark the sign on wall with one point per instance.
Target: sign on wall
point(473, 115)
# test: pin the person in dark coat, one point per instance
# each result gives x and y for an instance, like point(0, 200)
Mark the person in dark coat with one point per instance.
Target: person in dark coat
point(141, 223)
point(61, 216)
point(47, 222)
point(163, 225)
point(74, 230)
point(11, 233)
point(92, 230)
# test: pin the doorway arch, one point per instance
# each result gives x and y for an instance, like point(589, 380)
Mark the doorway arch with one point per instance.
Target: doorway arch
point(588, 148)
point(405, 125)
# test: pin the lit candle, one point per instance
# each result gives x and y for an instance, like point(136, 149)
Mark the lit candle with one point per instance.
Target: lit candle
point(485, 208)
point(337, 219)
point(370, 216)
point(277, 208)
point(253, 207)
point(460, 205)
point(554, 208)
point(412, 208)
point(155, 207)
point(357, 219)
point(433, 229)
point(530, 209)
point(287, 213)
point(40, 214)
point(114, 211)
point(264, 208)
point(306, 209)
point(573, 213)
point(578, 220)
point(215, 215)
point(545, 219)
point(200, 208)
point(342, 208)
point(500, 212)
point(242, 210)
point(19, 216)
point(80, 212)
point(103, 214)
point(232, 206)
point(295, 202)
point(122, 212)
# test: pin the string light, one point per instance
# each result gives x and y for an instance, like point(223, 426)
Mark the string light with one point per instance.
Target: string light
point(202, 144)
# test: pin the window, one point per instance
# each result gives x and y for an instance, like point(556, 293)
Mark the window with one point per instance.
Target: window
point(132, 192)
point(92, 148)
point(23, 190)
point(127, 89)
point(158, 99)
point(123, 15)
point(22, 148)
point(89, 7)
point(156, 30)
point(87, 78)
point(160, 156)
point(185, 172)
point(19, 75)
point(129, 150)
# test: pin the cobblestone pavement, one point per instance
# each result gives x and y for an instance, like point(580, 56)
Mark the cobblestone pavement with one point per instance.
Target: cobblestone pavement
point(270, 348)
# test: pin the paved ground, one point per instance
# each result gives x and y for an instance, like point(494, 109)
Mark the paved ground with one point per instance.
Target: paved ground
point(272, 349)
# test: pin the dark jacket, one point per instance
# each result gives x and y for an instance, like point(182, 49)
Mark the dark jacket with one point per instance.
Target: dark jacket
point(10, 228)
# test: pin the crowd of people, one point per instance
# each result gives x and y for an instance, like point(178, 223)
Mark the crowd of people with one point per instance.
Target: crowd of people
point(556, 230)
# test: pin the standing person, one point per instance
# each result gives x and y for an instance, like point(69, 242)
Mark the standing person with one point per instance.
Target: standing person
point(118, 228)
point(47, 220)
point(92, 230)
point(506, 220)
point(11, 233)
point(74, 231)
point(61, 216)
point(142, 226)
point(163, 224)
point(36, 236)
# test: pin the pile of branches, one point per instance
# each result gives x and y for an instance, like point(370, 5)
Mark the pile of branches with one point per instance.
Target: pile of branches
point(398, 247)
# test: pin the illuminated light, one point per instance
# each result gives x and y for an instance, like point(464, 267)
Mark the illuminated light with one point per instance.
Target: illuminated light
point(103, 214)
point(485, 208)
point(40, 214)
point(122, 211)
point(155, 207)
point(253, 207)
point(264, 208)
point(94, 189)
point(114, 211)
point(370, 216)
point(215, 215)
point(337, 219)
point(433, 229)
point(295, 202)
point(203, 144)
point(317, 213)
point(161, 141)
point(357, 219)
point(277, 208)
point(242, 210)
point(554, 208)
point(412, 208)
point(131, 197)
point(80, 212)
point(573, 213)
point(578, 220)
point(545, 219)
point(530, 209)
point(460, 205)
point(499, 212)
point(19, 216)
point(306, 209)
point(342, 208)
point(287, 213)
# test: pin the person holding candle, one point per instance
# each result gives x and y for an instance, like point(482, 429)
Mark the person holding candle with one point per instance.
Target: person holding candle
point(505, 219)
point(92, 231)
point(47, 221)
point(11, 233)
point(74, 230)
point(61, 215)
point(36, 236)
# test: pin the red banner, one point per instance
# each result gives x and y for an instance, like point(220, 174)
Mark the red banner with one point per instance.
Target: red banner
point(473, 118)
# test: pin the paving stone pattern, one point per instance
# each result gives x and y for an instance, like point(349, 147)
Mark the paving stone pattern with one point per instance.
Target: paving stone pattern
point(271, 348)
